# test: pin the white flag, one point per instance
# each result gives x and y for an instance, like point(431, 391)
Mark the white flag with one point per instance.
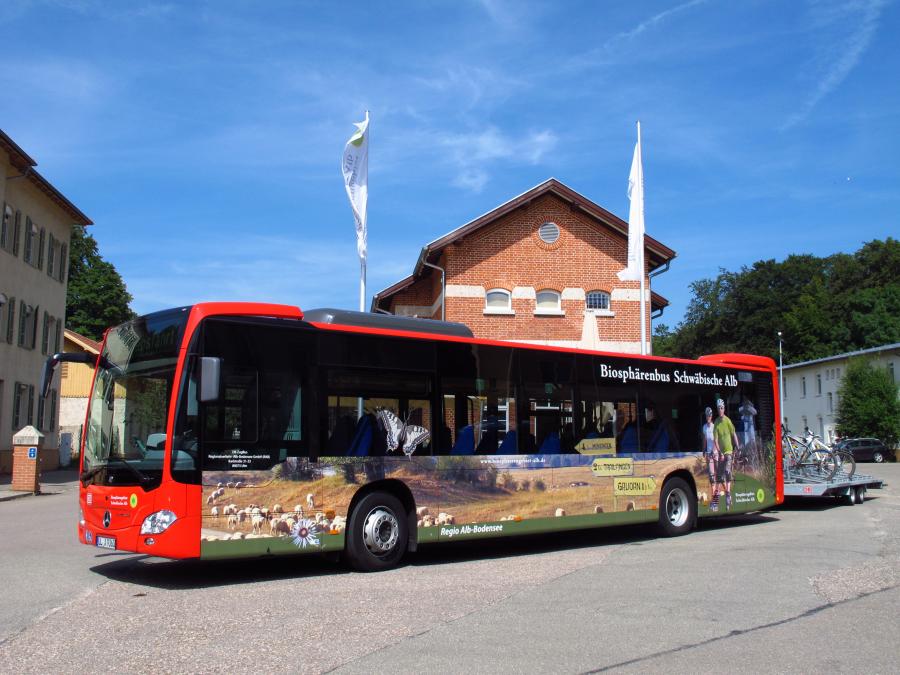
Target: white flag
point(635, 269)
point(355, 167)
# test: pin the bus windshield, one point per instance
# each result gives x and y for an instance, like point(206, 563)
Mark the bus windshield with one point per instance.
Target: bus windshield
point(126, 432)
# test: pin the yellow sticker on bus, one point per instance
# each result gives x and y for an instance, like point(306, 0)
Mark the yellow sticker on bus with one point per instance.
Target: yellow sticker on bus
point(634, 487)
point(597, 446)
point(613, 466)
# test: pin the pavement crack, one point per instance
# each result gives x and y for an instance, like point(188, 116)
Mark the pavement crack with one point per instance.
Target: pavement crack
point(734, 633)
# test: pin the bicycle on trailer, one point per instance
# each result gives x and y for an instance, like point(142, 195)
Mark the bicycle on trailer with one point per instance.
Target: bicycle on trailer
point(846, 462)
point(804, 458)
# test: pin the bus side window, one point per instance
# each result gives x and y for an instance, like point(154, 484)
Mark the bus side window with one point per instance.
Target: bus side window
point(374, 413)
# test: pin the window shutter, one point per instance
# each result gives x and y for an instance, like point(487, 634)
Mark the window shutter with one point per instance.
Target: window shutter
point(45, 334)
point(17, 406)
point(40, 414)
point(30, 410)
point(23, 322)
point(4, 226)
point(28, 253)
point(11, 320)
point(33, 327)
point(58, 341)
point(50, 252)
point(17, 229)
point(63, 253)
point(40, 257)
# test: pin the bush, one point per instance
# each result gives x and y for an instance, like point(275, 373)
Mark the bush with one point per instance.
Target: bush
point(539, 485)
point(867, 403)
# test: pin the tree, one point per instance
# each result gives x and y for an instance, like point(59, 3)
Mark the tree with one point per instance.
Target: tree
point(96, 297)
point(824, 306)
point(868, 403)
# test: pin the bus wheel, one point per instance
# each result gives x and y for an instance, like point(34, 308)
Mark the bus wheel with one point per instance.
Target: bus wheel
point(377, 533)
point(677, 508)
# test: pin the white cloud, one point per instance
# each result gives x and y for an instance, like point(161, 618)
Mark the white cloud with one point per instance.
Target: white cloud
point(472, 153)
point(842, 55)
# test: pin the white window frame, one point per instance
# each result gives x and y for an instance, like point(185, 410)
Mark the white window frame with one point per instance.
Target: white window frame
point(548, 311)
point(595, 310)
point(507, 311)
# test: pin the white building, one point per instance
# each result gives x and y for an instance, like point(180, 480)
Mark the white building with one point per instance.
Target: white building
point(810, 388)
point(36, 223)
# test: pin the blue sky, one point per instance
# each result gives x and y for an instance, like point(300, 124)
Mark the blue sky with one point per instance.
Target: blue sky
point(204, 138)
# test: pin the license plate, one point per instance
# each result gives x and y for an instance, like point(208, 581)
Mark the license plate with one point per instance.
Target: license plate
point(106, 542)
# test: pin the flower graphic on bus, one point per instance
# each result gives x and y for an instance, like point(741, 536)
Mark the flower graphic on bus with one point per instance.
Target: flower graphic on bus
point(304, 533)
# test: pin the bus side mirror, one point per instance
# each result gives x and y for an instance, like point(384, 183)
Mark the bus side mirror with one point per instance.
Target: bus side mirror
point(210, 378)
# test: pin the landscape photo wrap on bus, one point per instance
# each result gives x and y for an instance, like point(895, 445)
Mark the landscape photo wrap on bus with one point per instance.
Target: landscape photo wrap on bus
point(302, 506)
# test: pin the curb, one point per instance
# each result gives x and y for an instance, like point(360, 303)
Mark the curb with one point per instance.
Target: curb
point(18, 495)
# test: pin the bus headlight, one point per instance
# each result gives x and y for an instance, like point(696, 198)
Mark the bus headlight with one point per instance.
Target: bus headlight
point(81, 516)
point(157, 523)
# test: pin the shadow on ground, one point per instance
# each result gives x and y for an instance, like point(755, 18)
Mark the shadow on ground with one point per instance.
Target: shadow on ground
point(191, 574)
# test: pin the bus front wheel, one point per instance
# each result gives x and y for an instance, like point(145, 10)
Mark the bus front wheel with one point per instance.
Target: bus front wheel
point(377, 533)
point(677, 508)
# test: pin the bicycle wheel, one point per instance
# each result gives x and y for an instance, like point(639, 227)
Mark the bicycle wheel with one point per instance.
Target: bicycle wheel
point(846, 463)
point(828, 465)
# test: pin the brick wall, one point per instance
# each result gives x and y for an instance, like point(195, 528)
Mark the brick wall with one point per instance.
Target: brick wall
point(509, 254)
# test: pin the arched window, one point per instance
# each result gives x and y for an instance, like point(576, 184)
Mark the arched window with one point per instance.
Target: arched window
point(597, 300)
point(547, 302)
point(497, 300)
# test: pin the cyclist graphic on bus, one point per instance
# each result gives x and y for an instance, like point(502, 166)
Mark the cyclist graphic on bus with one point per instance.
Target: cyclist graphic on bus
point(725, 433)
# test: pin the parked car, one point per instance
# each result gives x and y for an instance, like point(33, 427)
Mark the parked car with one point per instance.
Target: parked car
point(866, 449)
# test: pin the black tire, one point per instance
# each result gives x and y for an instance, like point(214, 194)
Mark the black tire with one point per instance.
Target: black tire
point(877, 456)
point(860, 494)
point(677, 508)
point(377, 533)
point(846, 463)
point(829, 466)
point(850, 498)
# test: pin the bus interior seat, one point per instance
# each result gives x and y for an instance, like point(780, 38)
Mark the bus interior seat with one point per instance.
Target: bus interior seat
point(508, 446)
point(362, 438)
point(465, 441)
point(550, 445)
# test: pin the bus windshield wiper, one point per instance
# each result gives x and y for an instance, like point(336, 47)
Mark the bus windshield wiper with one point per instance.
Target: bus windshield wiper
point(142, 477)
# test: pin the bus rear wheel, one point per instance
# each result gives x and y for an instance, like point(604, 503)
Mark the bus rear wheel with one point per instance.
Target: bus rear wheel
point(377, 533)
point(677, 508)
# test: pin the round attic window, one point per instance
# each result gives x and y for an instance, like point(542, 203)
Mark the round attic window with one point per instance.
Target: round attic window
point(549, 233)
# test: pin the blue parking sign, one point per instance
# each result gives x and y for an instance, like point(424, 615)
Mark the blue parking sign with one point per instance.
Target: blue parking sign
point(32, 453)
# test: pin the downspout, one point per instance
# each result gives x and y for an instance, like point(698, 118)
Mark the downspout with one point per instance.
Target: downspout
point(443, 288)
point(653, 315)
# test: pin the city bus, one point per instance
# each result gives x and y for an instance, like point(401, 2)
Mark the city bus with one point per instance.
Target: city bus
point(238, 429)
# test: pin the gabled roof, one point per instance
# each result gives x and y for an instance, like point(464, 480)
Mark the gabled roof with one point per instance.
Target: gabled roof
point(658, 254)
point(85, 343)
point(25, 164)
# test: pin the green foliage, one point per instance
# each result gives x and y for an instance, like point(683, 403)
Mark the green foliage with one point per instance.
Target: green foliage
point(823, 306)
point(868, 403)
point(97, 297)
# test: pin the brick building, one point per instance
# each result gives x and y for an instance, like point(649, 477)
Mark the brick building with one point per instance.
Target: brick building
point(540, 268)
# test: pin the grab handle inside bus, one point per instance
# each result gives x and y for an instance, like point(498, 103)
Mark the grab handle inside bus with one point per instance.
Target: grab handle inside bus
point(210, 377)
point(51, 363)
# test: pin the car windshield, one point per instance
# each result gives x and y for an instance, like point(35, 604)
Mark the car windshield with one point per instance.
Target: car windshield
point(126, 433)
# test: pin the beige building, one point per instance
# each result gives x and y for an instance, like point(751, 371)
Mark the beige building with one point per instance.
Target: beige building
point(810, 388)
point(35, 231)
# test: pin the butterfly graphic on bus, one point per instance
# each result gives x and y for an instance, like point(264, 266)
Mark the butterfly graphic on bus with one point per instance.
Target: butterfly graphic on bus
point(399, 433)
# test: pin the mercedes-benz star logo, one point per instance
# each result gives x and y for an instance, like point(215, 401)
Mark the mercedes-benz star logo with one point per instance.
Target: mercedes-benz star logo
point(106, 519)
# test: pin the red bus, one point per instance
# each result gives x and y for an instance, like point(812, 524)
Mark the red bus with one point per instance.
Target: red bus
point(237, 429)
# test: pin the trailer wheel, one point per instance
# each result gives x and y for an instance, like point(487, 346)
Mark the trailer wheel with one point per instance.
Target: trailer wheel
point(850, 497)
point(377, 533)
point(677, 508)
point(860, 494)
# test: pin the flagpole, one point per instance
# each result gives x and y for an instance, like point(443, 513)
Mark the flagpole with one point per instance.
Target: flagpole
point(643, 266)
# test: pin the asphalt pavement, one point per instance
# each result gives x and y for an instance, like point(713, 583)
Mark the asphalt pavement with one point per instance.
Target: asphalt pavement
point(810, 587)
